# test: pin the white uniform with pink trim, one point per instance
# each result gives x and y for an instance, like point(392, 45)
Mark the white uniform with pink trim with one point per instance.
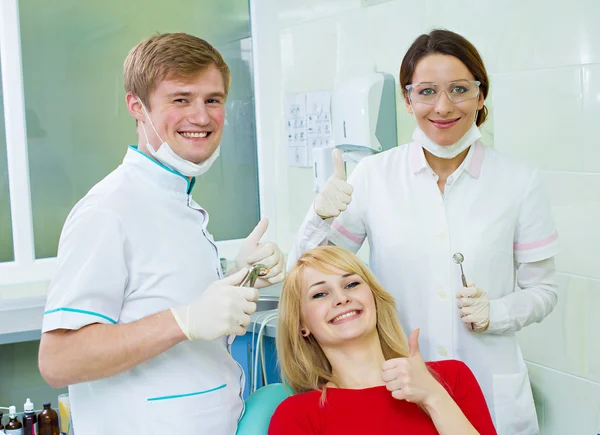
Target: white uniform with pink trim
point(492, 211)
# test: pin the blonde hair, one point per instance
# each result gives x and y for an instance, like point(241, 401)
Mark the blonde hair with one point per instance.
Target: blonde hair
point(169, 56)
point(304, 366)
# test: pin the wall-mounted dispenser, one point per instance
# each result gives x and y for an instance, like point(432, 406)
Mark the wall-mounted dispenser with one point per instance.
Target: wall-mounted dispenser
point(363, 117)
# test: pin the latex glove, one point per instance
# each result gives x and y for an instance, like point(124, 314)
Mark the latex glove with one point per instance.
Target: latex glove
point(409, 378)
point(222, 309)
point(336, 194)
point(474, 307)
point(254, 252)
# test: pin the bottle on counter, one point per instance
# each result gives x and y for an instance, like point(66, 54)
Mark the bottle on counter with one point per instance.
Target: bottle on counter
point(29, 419)
point(14, 426)
point(48, 421)
point(1, 425)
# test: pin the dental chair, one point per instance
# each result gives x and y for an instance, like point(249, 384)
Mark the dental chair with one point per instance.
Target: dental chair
point(260, 407)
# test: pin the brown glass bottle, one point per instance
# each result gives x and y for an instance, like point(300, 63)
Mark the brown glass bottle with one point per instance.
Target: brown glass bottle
point(48, 421)
point(14, 426)
point(1, 425)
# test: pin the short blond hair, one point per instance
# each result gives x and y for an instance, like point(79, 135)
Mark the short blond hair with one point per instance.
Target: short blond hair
point(169, 56)
point(304, 366)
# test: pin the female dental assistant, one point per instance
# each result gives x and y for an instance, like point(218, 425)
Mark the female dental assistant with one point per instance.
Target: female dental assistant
point(444, 193)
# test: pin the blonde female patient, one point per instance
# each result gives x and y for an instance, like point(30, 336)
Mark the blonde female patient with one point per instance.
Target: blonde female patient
point(352, 371)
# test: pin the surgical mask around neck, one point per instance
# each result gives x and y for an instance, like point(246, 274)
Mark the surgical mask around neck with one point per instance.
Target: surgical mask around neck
point(447, 151)
point(165, 155)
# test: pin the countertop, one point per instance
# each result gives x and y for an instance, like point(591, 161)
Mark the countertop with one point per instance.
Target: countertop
point(21, 319)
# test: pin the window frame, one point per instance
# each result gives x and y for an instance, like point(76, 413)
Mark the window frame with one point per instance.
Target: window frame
point(25, 267)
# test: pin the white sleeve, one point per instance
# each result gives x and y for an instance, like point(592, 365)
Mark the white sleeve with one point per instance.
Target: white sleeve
point(90, 282)
point(535, 237)
point(313, 232)
point(347, 230)
point(535, 298)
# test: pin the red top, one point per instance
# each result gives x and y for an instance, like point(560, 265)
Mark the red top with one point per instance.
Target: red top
point(375, 411)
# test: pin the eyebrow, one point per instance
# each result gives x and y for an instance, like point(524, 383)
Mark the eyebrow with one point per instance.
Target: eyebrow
point(450, 81)
point(323, 282)
point(188, 94)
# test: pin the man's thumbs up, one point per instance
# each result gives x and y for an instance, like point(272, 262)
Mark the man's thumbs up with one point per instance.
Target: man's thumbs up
point(337, 193)
point(253, 251)
point(258, 232)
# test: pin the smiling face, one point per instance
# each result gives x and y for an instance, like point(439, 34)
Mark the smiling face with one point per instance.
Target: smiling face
point(336, 307)
point(187, 114)
point(443, 122)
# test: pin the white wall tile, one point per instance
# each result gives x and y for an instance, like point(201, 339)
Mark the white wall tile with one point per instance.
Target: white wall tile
point(575, 200)
point(566, 404)
point(318, 53)
point(592, 332)
point(391, 29)
point(538, 34)
point(294, 12)
point(591, 108)
point(538, 117)
point(470, 19)
point(565, 328)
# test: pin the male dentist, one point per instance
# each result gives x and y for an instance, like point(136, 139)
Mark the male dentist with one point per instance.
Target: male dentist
point(138, 313)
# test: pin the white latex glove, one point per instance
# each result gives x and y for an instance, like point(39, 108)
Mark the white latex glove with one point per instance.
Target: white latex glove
point(409, 378)
point(254, 252)
point(336, 194)
point(474, 307)
point(222, 309)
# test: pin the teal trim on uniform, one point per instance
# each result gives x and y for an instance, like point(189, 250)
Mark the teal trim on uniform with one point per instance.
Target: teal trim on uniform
point(190, 184)
point(75, 310)
point(178, 396)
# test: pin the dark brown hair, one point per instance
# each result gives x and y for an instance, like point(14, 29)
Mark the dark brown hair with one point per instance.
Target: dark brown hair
point(441, 41)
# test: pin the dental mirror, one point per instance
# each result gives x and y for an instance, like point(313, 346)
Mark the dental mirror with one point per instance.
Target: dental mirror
point(458, 258)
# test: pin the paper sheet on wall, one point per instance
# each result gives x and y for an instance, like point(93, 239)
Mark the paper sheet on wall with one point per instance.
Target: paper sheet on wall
point(318, 120)
point(308, 119)
point(295, 117)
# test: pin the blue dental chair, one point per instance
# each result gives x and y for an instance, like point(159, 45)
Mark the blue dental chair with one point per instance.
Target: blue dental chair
point(260, 407)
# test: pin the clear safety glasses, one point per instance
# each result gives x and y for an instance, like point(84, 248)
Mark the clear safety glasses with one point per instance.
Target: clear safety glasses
point(429, 92)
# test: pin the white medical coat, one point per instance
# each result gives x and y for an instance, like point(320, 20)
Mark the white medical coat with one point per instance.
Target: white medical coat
point(135, 245)
point(494, 213)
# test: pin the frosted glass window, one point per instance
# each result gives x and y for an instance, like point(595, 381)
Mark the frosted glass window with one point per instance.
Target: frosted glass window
point(6, 241)
point(78, 127)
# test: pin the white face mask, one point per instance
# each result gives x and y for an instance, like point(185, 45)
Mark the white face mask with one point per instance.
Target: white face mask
point(172, 160)
point(448, 151)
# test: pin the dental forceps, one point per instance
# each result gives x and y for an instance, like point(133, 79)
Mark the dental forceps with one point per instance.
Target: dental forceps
point(253, 274)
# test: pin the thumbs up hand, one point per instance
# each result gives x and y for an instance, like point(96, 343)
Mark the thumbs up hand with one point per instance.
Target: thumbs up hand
point(409, 378)
point(337, 193)
point(253, 251)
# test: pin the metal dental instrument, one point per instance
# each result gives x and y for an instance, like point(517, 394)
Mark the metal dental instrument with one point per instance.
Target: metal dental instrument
point(257, 271)
point(458, 258)
point(249, 280)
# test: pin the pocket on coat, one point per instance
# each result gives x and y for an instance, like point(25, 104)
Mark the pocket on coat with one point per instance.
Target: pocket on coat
point(205, 411)
point(514, 408)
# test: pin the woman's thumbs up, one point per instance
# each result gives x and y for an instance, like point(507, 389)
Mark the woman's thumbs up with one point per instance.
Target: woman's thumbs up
point(337, 193)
